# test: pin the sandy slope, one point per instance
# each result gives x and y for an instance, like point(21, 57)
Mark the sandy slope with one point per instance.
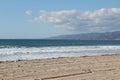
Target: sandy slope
point(105, 67)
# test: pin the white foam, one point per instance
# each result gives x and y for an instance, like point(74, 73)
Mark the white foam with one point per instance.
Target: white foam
point(49, 52)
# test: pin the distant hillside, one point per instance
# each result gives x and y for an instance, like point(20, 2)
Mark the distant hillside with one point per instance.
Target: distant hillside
point(91, 36)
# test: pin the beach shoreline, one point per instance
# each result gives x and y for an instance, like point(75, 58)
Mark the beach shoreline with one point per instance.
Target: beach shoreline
point(98, 67)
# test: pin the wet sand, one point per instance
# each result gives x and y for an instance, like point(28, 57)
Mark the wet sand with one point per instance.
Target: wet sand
point(104, 67)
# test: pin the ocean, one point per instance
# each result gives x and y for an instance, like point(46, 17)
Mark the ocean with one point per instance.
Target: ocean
point(27, 49)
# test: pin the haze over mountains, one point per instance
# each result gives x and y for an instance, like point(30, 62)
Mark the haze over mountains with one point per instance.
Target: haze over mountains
point(91, 36)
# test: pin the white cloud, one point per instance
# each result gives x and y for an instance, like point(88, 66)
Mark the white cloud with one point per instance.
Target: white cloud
point(28, 12)
point(88, 21)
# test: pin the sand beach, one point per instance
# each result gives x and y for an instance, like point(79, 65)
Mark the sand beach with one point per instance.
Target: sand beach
point(104, 67)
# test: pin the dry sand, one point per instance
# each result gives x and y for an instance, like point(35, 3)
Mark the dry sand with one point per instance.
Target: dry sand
point(105, 67)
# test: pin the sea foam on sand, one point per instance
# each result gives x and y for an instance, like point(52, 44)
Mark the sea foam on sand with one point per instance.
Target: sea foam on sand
point(23, 53)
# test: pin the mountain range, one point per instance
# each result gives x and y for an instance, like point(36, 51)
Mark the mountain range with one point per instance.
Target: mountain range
point(90, 36)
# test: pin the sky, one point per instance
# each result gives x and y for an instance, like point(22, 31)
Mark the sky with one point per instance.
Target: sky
point(37, 19)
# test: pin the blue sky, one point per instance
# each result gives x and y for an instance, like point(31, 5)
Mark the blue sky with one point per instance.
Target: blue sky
point(32, 18)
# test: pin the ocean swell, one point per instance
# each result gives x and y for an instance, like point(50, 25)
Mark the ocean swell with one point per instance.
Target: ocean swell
point(23, 53)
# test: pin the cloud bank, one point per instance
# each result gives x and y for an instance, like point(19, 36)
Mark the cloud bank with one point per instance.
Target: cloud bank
point(88, 21)
point(28, 12)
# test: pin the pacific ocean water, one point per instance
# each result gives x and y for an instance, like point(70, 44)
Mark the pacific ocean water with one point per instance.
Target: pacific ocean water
point(27, 49)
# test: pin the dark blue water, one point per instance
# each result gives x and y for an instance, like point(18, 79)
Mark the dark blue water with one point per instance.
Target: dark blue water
point(47, 43)
point(14, 49)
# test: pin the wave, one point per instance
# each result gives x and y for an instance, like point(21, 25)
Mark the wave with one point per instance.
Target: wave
point(23, 53)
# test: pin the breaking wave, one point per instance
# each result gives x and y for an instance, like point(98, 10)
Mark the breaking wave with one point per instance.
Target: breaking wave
point(27, 53)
